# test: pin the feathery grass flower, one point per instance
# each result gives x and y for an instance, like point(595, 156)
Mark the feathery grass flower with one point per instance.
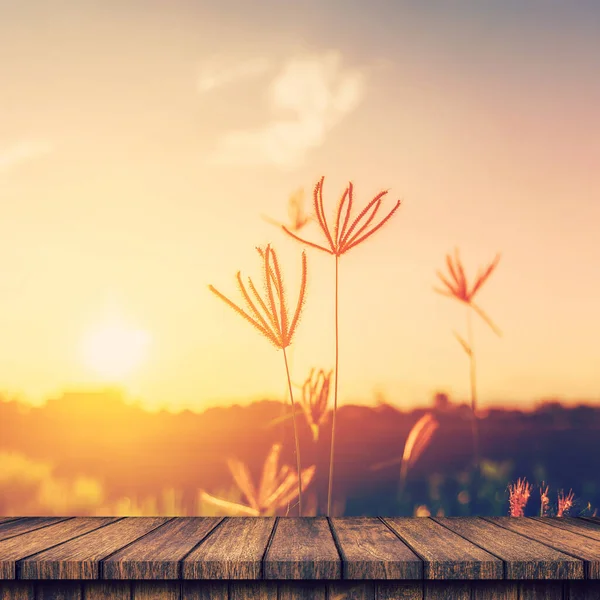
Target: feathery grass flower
point(544, 500)
point(345, 238)
point(277, 487)
point(519, 494)
point(315, 395)
point(456, 287)
point(270, 317)
point(565, 503)
point(338, 241)
point(297, 217)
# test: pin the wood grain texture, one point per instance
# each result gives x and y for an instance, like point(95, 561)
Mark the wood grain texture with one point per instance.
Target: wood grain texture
point(157, 555)
point(204, 590)
point(351, 590)
point(15, 548)
point(585, 548)
point(234, 550)
point(58, 590)
point(107, 590)
point(388, 590)
point(17, 590)
point(447, 590)
point(79, 558)
point(541, 590)
point(13, 527)
point(582, 590)
point(446, 555)
point(302, 549)
point(494, 590)
point(249, 590)
point(523, 558)
point(576, 525)
point(301, 590)
point(371, 551)
point(156, 590)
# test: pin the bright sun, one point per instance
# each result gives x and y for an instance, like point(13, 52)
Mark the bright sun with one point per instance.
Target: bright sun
point(113, 350)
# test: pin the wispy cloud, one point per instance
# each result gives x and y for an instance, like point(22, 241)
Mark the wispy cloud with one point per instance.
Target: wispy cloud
point(319, 91)
point(23, 151)
point(219, 71)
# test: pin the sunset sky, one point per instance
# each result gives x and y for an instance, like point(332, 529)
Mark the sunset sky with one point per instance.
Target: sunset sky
point(141, 141)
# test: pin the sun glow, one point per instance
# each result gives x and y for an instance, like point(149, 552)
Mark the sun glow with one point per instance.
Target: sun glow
point(113, 350)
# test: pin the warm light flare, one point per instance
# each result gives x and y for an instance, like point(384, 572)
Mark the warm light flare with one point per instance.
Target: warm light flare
point(113, 350)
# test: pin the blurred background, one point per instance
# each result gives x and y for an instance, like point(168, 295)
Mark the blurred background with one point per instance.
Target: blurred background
point(147, 147)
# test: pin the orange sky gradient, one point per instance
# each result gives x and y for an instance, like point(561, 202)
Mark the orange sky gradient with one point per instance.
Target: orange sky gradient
point(141, 141)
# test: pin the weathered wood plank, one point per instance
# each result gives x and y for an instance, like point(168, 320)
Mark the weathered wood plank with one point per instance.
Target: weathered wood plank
point(446, 554)
point(157, 555)
point(234, 550)
point(80, 557)
point(523, 558)
point(540, 590)
point(15, 548)
point(350, 590)
point(560, 539)
point(447, 590)
point(576, 525)
point(7, 519)
point(107, 590)
point(302, 549)
point(204, 590)
point(299, 590)
point(17, 527)
point(248, 590)
point(582, 590)
point(371, 551)
point(388, 590)
point(58, 590)
point(494, 590)
point(17, 590)
point(156, 590)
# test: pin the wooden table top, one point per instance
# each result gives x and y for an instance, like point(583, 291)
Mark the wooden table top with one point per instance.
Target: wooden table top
point(308, 548)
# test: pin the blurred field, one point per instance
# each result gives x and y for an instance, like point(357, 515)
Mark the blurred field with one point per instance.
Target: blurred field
point(95, 454)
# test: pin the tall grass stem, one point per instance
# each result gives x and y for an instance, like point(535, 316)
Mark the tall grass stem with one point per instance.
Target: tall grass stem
point(335, 389)
point(287, 369)
point(474, 420)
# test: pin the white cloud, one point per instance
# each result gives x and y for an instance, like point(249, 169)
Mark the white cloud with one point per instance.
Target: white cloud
point(22, 151)
point(218, 72)
point(318, 91)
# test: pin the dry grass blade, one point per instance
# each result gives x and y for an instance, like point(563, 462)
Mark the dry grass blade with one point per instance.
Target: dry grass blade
point(232, 508)
point(416, 442)
point(277, 486)
point(269, 474)
point(286, 491)
point(241, 476)
point(490, 323)
point(463, 343)
point(482, 277)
